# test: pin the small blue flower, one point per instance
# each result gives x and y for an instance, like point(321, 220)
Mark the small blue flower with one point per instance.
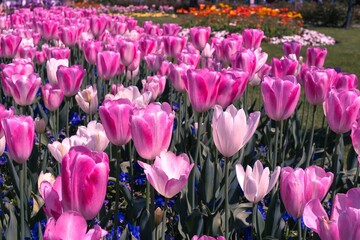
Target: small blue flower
point(135, 230)
point(176, 106)
point(3, 159)
point(75, 119)
point(124, 177)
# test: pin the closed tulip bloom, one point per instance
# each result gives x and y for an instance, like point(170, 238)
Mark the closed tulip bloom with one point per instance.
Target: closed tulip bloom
point(107, 64)
point(315, 56)
point(115, 116)
point(51, 68)
point(147, 45)
point(292, 47)
point(155, 85)
point(169, 173)
point(70, 79)
point(71, 225)
point(171, 29)
point(98, 25)
point(229, 46)
point(151, 129)
point(60, 53)
point(88, 99)
point(52, 195)
point(341, 109)
point(19, 134)
point(49, 29)
point(178, 76)
point(245, 60)
point(344, 81)
point(283, 67)
point(256, 183)
point(9, 45)
point(298, 187)
point(90, 50)
point(203, 87)
point(52, 96)
point(252, 38)
point(5, 114)
point(24, 88)
point(232, 86)
point(355, 138)
point(95, 132)
point(27, 52)
point(134, 65)
point(127, 51)
point(225, 123)
point(68, 35)
point(317, 86)
point(188, 58)
point(280, 97)
point(154, 61)
point(173, 45)
point(199, 37)
point(40, 57)
point(84, 177)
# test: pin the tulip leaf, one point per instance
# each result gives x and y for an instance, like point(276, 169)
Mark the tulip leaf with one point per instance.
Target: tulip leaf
point(207, 184)
point(14, 176)
point(274, 223)
point(12, 229)
point(145, 228)
point(125, 234)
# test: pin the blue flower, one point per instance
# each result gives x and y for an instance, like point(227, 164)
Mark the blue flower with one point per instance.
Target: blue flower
point(124, 177)
point(3, 159)
point(75, 119)
point(135, 230)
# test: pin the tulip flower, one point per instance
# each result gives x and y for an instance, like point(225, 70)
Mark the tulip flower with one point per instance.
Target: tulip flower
point(27, 52)
point(133, 94)
point(40, 57)
point(60, 53)
point(98, 25)
point(2, 144)
point(49, 29)
point(19, 133)
point(341, 109)
point(344, 81)
point(171, 29)
point(225, 123)
point(147, 45)
point(52, 195)
point(256, 183)
point(52, 96)
point(107, 63)
point(245, 60)
point(24, 88)
point(355, 138)
point(178, 76)
point(71, 225)
point(3, 115)
point(202, 88)
point(90, 50)
point(229, 46)
point(9, 45)
point(96, 135)
point(84, 177)
point(298, 187)
point(280, 96)
point(155, 85)
point(316, 85)
point(292, 47)
point(59, 149)
point(315, 56)
point(173, 45)
point(154, 61)
point(252, 38)
point(52, 67)
point(68, 35)
point(169, 173)
point(88, 99)
point(115, 116)
point(127, 51)
point(151, 129)
point(70, 79)
point(199, 37)
point(283, 67)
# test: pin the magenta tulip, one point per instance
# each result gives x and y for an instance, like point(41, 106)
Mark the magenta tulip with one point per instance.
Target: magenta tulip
point(344, 81)
point(298, 187)
point(252, 38)
point(52, 96)
point(225, 123)
point(229, 46)
point(107, 63)
point(40, 57)
point(9, 45)
point(24, 88)
point(151, 129)
point(70, 79)
point(115, 116)
point(355, 138)
point(283, 67)
point(49, 29)
point(171, 29)
point(341, 109)
point(203, 87)
point(280, 96)
point(27, 52)
point(316, 85)
point(98, 25)
point(256, 183)
point(199, 37)
point(127, 51)
point(178, 76)
point(51, 68)
point(154, 61)
point(60, 53)
point(84, 177)
point(315, 56)
point(291, 48)
point(19, 133)
point(169, 173)
point(68, 35)
point(244, 60)
point(173, 45)
point(147, 45)
point(52, 195)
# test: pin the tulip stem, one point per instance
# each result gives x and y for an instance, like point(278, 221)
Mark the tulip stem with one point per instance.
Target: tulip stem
point(281, 140)
point(325, 144)
point(67, 116)
point(57, 124)
point(276, 145)
point(299, 229)
point(335, 166)
point(255, 221)
point(356, 176)
point(310, 153)
point(22, 194)
point(227, 165)
point(164, 220)
point(117, 193)
point(306, 124)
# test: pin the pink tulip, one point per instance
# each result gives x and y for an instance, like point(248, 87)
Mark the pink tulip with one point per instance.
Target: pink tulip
point(27, 52)
point(204, 237)
point(127, 51)
point(95, 133)
point(134, 65)
point(256, 183)
point(59, 149)
point(152, 29)
point(19, 133)
point(316, 85)
point(40, 57)
point(107, 63)
point(49, 29)
point(298, 187)
point(52, 66)
point(60, 53)
point(173, 45)
point(291, 48)
point(98, 25)
point(164, 68)
point(52, 195)
point(245, 60)
point(232, 86)
point(71, 225)
point(344, 81)
point(151, 129)
point(252, 38)
point(2, 145)
point(155, 85)
point(90, 50)
point(341, 109)
point(68, 35)
point(171, 29)
point(70, 79)
point(315, 56)
point(154, 61)
point(203, 87)
point(115, 116)
point(3, 115)
point(23, 88)
point(178, 76)
point(87, 99)
point(169, 173)
point(280, 96)
point(229, 46)
point(355, 138)
point(283, 67)
point(199, 37)
point(120, 28)
point(52, 96)
point(9, 45)
point(84, 177)
point(225, 123)
point(147, 45)
point(187, 58)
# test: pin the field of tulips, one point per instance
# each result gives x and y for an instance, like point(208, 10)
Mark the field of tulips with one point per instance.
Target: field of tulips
point(113, 130)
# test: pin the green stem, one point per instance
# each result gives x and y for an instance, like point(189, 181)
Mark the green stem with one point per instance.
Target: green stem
point(117, 193)
point(311, 137)
point(164, 220)
point(57, 124)
point(67, 116)
point(335, 166)
point(148, 192)
point(306, 124)
point(356, 175)
point(255, 221)
point(227, 166)
point(131, 170)
point(22, 203)
point(276, 146)
point(281, 140)
point(245, 100)
point(325, 144)
point(299, 229)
